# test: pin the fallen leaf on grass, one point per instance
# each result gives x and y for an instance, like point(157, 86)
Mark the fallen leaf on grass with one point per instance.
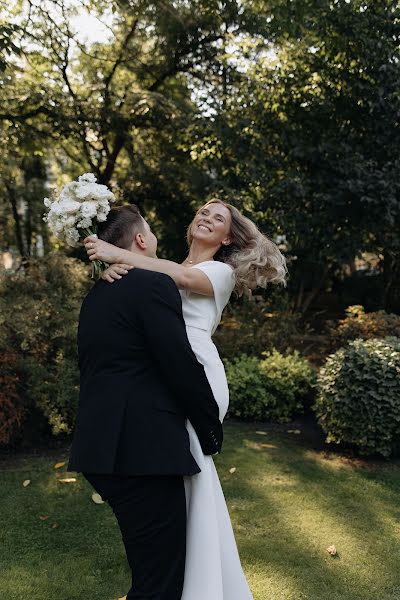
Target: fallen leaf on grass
point(232, 470)
point(67, 480)
point(54, 526)
point(97, 499)
point(294, 431)
point(59, 465)
point(332, 550)
point(26, 482)
point(44, 517)
point(261, 432)
point(267, 446)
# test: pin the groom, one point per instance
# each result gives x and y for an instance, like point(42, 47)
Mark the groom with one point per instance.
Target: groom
point(139, 382)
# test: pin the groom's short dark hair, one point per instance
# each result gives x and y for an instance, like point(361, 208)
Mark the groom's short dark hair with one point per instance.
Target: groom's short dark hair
point(122, 224)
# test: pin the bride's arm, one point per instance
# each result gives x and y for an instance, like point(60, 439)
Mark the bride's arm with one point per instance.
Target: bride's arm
point(191, 279)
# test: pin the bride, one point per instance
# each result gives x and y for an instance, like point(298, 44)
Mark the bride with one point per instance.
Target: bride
point(227, 253)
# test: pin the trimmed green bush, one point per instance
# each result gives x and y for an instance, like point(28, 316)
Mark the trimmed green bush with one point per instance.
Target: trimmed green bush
point(358, 399)
point(274, 388)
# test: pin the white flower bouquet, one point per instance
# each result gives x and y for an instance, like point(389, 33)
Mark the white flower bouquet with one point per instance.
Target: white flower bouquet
point(75, 213)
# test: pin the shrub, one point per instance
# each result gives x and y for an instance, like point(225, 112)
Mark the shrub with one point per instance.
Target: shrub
point(358, 398)
point(55, 390)
point(40, 307)
point(274, 388)
point(249, 326)
point(12, 409)
point(359, 324)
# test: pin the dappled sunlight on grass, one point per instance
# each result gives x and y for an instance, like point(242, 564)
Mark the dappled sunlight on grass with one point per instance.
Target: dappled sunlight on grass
point(288, 504)
point(302, 503)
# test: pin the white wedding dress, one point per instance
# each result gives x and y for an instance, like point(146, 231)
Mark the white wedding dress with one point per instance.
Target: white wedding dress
point(213, 570)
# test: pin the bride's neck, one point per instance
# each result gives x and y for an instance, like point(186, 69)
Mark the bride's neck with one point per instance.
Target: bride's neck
point(199, 253)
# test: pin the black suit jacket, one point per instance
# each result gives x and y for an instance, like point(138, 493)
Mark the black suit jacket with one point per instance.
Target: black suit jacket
point(139, 381)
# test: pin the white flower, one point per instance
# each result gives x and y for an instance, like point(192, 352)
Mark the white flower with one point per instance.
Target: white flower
point(85, 223)
point(88, 209)
point(69, 191)
point(104, 203)
point(69, 221)
point(56, 208)
point(102, 216)
point(80, 205)
point(87, 177)
point(58, 226)
point(72, 236)
point(87, 191)
point(70, 206)
point(94, 191)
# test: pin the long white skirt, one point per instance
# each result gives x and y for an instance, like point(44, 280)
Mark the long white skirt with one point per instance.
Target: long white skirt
point(213, 570)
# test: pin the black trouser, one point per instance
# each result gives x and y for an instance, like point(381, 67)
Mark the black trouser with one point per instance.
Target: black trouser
point(151, 513)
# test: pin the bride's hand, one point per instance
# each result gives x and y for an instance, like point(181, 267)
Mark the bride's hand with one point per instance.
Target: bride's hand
point(100, 250)
point(116, 271)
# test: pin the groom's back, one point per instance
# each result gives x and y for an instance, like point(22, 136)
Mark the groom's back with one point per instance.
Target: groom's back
point(110, 336)
point(128, 420)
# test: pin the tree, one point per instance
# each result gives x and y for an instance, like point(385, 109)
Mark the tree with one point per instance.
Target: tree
point(310, 136)
point(120, 106)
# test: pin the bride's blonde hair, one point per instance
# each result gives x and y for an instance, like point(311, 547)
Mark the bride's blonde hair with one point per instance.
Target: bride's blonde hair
point(256, 259)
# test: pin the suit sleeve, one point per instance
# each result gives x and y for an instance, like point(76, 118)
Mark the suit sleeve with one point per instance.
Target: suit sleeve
point(165, 331)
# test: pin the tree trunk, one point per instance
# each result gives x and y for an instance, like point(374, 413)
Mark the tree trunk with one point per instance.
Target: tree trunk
point(17, 220)
point(110, 166)
point(300, 293)
point(391, 282)
point(315, 291)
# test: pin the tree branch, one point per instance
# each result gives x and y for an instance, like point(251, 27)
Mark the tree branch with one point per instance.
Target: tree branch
point(125, 44)
point(176, 66)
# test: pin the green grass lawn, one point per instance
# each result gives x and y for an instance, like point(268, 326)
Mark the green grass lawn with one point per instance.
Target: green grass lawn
point(288, 504)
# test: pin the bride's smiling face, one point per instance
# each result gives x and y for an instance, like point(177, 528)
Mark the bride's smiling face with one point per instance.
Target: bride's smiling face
point(212, 224)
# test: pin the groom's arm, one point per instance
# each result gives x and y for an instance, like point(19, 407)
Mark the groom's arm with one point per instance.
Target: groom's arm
point(164, 327)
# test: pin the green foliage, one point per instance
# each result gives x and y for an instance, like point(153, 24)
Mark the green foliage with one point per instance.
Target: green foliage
point(359, 324)
point(7, 45)
point(249, 326)
point(39, 307)
point(308, 137)
point(54, 390)
point(358, 398)
point(292, 117)
point(12, 407)
point(274, 388)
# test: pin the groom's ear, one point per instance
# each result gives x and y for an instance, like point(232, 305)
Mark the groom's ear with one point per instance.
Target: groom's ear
point(140, 241)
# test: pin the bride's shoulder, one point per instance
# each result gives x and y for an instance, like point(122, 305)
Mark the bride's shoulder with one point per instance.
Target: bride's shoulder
point(215, 264)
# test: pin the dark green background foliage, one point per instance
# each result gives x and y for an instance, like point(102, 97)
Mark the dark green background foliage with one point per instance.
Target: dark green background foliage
point(249, 326)
point(272, 389)
point(288, 109)
point(359, 396)
point(39, 316)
